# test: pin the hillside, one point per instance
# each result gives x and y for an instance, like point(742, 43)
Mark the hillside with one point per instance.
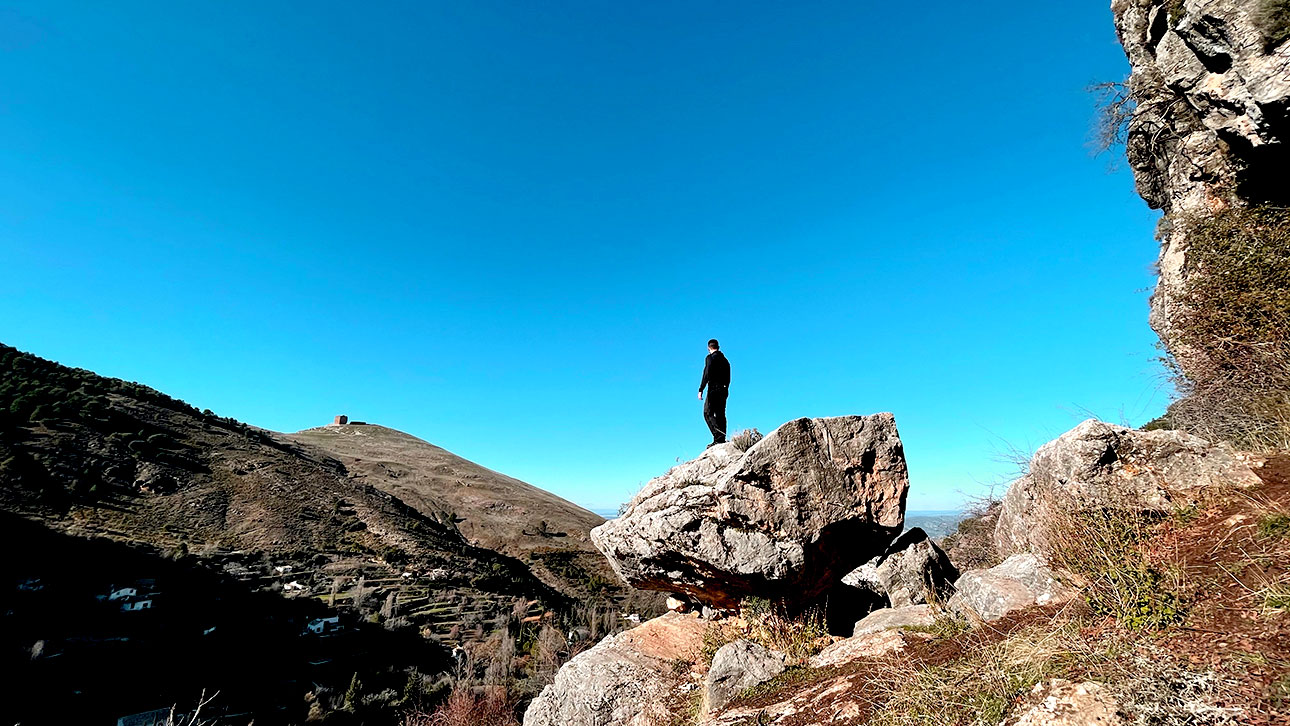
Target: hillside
point(490, 509)
point(98, 463)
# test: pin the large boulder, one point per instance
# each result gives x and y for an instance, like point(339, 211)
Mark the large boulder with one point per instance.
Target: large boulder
point(624, 680)
point(911, 571)
point(783, 520)
point(1016, 584)
point(1099, 465)
point(889, 618)
point(1063, 703)
point(736, 667)
point(867, 645)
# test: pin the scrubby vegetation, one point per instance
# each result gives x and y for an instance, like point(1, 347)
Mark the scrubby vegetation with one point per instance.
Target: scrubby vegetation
point(1233, 322)
point(745, 439)
point(971, 546)
point(1104, 548)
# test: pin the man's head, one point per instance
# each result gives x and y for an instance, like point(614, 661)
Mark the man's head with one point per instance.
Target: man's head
point(714, 345)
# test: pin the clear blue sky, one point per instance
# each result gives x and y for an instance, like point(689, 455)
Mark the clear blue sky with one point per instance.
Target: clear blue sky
point(510, 228)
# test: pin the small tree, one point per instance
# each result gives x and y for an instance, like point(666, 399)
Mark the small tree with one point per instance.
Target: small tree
point(354, 694)
point(1115, 108)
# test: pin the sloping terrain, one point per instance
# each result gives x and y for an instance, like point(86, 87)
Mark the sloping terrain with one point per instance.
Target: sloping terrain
point(238, 510)
point(491, 509)
point(97, 457)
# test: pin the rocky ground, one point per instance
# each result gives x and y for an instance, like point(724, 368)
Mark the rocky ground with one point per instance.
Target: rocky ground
point(1146, 581)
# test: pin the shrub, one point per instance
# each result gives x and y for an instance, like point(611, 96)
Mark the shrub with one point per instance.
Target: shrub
point(799, 636)
point(1105, 548)
point(972, 544)
point(1115, 108)
point(715, 636)
point(744, 440)
point(1274, 525)
point(465, 707)
point(1235, 309)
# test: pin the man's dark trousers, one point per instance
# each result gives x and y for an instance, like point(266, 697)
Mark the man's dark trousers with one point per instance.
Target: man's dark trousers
point(714, 412)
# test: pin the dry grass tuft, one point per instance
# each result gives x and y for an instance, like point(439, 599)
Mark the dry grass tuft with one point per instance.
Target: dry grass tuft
point(979, 687)
point(744, 440)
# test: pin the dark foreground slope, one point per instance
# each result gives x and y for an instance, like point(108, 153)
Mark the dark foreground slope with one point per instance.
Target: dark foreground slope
point(211, 505)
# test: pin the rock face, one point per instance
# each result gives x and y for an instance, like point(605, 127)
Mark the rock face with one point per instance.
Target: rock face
point(624, 680)
point(1211, 125)
point(1063, 703)
point(783, 520)
point(900, 617)
point(737, 667)
point(912, 571)
point(1100, 465)
point(1019, 582)
point(868, 645)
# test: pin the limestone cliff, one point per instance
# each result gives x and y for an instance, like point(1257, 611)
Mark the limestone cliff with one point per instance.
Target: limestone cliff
point(1210, 128)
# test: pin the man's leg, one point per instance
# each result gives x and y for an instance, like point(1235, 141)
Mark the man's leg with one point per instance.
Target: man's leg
point(718, 423)
point(710, 416)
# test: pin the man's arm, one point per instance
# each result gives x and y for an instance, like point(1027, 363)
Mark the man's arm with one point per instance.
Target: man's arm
point(707, 364)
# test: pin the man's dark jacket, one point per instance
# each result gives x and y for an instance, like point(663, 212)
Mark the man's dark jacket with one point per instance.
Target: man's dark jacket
point(716, 371)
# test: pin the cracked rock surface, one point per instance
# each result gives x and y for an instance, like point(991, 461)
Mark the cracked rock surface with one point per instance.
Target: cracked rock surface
point(783, 520)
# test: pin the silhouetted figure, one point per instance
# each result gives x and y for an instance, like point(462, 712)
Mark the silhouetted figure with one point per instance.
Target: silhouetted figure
point(716, 377)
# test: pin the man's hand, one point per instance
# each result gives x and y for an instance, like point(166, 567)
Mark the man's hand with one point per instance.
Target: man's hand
point(700, 395)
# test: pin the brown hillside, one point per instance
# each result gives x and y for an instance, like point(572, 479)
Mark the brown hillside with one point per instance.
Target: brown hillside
point(491, 509)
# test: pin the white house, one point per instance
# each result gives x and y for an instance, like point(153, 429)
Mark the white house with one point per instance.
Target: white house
point(136, 605)
point(324, 625)
point(123, 592)
point(293, 585)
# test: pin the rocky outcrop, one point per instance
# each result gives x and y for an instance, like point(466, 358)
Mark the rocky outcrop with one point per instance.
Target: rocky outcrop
point(1017, 583)
point(1063, 703)
point(1211, 125)
point(867, 645)
point(1100, 465)
point(901, 617)
point(736, 667)
point(625, 680)
point(912, 571)
point(784, 520)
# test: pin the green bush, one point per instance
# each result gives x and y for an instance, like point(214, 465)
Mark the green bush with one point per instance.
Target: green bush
point(1274, 525)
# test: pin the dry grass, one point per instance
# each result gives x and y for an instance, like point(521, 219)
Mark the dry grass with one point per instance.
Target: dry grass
point(972, 545)
point(744, 440)
point(980, 686)
point(1105, 550)
point(466, 707)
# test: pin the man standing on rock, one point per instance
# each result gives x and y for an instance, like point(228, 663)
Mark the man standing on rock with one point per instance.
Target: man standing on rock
point(716, 376)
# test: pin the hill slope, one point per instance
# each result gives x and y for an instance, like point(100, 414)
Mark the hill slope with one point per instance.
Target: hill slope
point(218, 506)
point(491, 509)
